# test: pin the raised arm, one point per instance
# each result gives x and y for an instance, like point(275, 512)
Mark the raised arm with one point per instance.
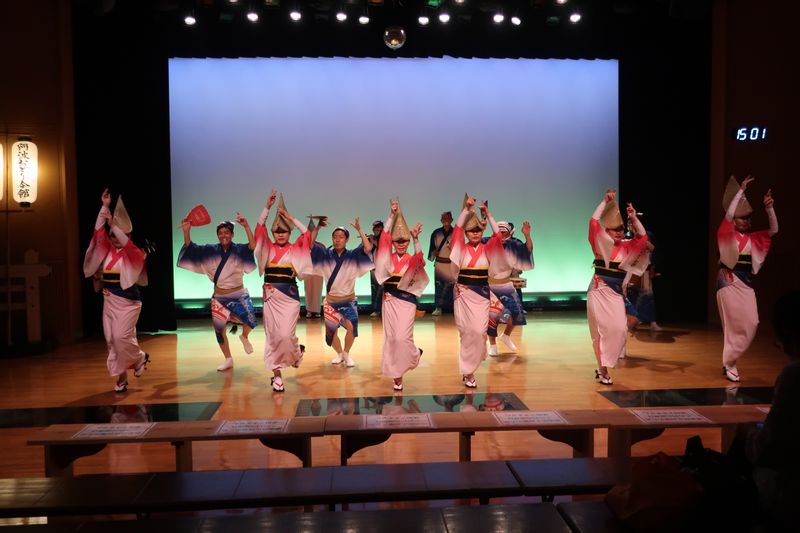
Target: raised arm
point(104, 216)
point(462, 217)
point(737, 198)
point(415, 231)
point(769, 202)
point(526, 230)
point(637, 224)
point(488, 216)
point(364, 239)
point(394, 205)
point(186, 226)
point(251, 239)
point(610, 195)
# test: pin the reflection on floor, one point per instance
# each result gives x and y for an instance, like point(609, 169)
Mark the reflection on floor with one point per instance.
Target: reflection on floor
point(101, 414)
point(399, 404)
point(731, 395)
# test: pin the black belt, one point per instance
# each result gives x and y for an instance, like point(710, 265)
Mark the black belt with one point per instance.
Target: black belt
point(474, 276)
point(612, 271)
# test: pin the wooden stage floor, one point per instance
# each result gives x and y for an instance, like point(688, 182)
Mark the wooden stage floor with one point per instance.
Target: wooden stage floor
point(553, 369)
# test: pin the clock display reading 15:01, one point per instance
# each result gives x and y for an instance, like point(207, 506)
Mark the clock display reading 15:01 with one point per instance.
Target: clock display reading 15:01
point(752, 133)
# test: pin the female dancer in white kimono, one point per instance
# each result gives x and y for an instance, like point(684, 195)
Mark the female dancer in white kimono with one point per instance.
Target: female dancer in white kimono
point(613, 257)
point(341, 267)
point(403, 278)
point(118, 267)
point(741, 253)
point(225, 265)
point(281, 263)
point(475, 262)
point(505, 306)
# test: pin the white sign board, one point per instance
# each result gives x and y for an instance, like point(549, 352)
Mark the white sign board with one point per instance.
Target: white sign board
point(246, 427)
point(529, 418)
point(411, 420)
point(113, 431)
point(669, 416)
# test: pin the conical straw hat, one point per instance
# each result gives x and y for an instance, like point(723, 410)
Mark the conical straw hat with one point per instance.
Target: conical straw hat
point(280, 221)
point(473, 221)
point(611, 217)
point(744, 208)
point(400, 231)
point(121, 218)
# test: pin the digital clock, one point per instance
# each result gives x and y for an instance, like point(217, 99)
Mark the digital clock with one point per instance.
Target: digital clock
point(750, 133)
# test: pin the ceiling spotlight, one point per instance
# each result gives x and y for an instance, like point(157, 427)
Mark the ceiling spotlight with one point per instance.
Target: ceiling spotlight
point(561, 2)
point(459, 2)
point(252, 16)
point(516, 21)
point(341, 16)
point(444, 18)
point(363, 19)
point(575, 18)
point(233, 1)
point(189, 20)
point(423, 20)
point(552, 20)
point(498, 18)
point(295, 15)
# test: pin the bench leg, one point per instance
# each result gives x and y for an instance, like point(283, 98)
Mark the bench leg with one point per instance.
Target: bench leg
point(350, 444)
point(58, 460)
point(620, 441)
point(183, 456)
point(581, 440)
point(465, 446)
point(300, 447)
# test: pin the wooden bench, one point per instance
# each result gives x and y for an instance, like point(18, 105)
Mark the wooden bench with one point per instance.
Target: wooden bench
point(551, 477)
point(591, 517)
point(236, 489)
point(64, 443)
point(540, 517)
point(574, 427)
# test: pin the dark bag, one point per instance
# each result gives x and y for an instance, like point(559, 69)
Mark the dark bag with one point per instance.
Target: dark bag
point(730, 498)
point(660, 497)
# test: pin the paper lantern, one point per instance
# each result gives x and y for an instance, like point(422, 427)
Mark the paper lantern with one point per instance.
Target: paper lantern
point(24, 172)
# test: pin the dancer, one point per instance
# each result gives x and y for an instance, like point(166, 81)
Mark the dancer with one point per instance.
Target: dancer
point(505, 305)
point(281, 264)
point(341, 267)
point(475, 262)
point(439, 252)
point(375, 289)
point(225, 264)
point(403, 279)
point(614, 256)
point(742, 253)
point(312, 283)
point(117, 267)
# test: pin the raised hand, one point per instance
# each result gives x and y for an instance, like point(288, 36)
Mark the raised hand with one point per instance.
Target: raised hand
point(769, 201)
point(271, 199)
point(356, 224)
point(241, 220)
point(105, 198)
point(526, 228)
point(746, 182)
point(415, 231)
point(631, 211)
point(611, 194)
point(108, 216)
point(186, 224)
point(284, 213)
point(470, 203)
point(394, 205)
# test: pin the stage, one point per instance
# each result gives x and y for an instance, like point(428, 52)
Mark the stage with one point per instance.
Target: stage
point(552, 369)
